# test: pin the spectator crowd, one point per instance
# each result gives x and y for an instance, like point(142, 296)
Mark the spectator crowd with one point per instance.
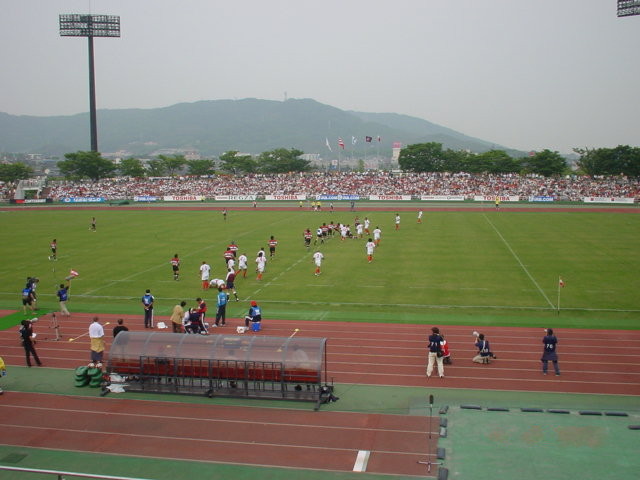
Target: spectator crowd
point(567, 188)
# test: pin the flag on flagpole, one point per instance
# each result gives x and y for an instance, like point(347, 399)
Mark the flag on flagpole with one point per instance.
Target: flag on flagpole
point(341, 142)
point(328, 144)
point(379, 138)
point(74, 273)
point(368, 139)
point(560, 282)
point(353, 140)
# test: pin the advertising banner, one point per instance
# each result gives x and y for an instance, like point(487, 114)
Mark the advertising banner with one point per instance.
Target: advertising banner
point(390, 197)
point(608, 199)
point(541, 199)
point(492, 198)
point(30, 200)
point(235, 198)
point(183, 198)
point(83, 199)
point(286, 197)
point(442, 198)
point(337, 197)
point(145, 198)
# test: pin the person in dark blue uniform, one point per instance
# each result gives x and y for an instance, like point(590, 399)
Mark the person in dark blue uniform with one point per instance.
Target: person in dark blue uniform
point(254, 315)
point(28, 341)
point(549, 352)
point(147, 304)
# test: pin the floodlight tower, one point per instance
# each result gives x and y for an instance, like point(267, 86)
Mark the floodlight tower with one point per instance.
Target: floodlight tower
point(81, 25)
point(627, 8)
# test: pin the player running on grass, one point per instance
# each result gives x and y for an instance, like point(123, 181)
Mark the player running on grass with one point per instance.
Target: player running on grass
point(175, 266)
point(317, 259)
point(370, 246)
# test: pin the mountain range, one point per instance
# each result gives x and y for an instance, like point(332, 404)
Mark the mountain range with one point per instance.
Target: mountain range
point(213, 127)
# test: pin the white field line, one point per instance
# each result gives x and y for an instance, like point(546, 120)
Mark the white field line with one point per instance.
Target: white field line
point(533, 280)
point(334, 303)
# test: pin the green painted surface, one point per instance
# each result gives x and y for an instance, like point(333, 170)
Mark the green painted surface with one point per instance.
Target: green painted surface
point(506, 445)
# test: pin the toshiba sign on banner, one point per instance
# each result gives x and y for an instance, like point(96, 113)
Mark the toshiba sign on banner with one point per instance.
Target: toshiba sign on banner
point(183, 198)
point(285, 197)
point(492, 198)
point(390, 197)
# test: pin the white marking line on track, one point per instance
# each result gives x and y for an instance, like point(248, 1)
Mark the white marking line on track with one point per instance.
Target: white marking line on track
point(519, 261)
point(213, 420)
point(361, 461)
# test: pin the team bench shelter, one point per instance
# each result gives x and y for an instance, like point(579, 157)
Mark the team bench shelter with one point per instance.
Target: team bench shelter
point(221, 365)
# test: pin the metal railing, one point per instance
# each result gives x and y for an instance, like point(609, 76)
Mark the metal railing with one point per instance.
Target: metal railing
point(62, 475)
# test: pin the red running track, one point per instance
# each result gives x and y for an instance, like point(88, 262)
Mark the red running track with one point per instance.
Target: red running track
point(382, 354)
point(375, 354)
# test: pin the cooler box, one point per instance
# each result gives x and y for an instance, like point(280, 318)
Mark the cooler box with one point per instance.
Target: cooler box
point(255, 326)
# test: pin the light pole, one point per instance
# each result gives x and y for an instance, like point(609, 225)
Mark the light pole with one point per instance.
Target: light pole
point(80, 25)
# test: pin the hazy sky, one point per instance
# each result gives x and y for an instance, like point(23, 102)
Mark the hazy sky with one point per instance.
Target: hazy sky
point(527, 74)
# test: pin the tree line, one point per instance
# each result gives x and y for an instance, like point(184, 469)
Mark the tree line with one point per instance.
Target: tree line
point(431, 157)
point(423, 157)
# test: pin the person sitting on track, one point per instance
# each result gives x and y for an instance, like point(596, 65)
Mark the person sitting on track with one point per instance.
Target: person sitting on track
point(254, 315)
point(446, 354)
point(194, 323)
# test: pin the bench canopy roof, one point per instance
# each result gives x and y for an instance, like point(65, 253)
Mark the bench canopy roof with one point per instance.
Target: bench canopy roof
point(292, 352)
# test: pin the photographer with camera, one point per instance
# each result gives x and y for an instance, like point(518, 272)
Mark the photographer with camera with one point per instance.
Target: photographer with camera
point(484, 350)
point(435, 352)
point(29, 340)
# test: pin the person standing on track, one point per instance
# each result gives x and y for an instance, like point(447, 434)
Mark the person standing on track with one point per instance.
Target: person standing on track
point(120, 327)
point(63, 297)
point(28, 341)
point(177, 315)
point(397, 221)
point(435, 352)
point(96, 336)
point(419, 216)
point(550, 343)
point(221, 312)
point(147, 303)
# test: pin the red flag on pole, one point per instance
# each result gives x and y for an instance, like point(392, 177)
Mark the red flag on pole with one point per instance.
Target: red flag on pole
point(560, 282)
point(341, 142)
point(368, 139)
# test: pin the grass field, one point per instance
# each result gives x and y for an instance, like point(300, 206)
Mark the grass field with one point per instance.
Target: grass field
point(476, 268)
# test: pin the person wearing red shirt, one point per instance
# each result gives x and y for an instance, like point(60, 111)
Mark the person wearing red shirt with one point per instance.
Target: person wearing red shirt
point(175, 266)
point(272, 247)
point(307, 238)
point(228, 255)
point(233, 247)
point(202, 310)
